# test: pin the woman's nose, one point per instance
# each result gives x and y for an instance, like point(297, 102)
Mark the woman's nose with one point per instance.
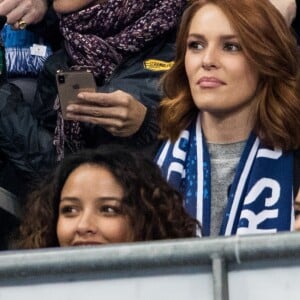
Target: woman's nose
point(209, 58)
point(87, 224)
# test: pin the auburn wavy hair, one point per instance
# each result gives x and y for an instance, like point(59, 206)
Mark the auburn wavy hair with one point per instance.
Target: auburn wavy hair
point(270, 46)
point(154, 209)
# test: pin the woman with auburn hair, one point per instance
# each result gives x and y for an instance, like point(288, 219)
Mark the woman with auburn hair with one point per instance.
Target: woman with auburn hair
point(231, 117)
point(109, 195)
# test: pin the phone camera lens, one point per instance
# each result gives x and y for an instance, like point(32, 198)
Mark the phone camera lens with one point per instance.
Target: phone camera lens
point(61, 79)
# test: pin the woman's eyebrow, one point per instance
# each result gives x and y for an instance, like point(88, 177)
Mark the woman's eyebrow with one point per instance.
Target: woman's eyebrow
point(72, 199)
point(109, 198)
point(226, 37)
point(100, 199)
point(222, 36)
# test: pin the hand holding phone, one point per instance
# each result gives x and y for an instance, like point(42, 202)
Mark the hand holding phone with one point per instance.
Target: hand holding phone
point(118, 112)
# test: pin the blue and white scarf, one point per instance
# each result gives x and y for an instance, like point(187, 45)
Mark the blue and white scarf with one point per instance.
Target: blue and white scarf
point(20, 59)
point(260, 197)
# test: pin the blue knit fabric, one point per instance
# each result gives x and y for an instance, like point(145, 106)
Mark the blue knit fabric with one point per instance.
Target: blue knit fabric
point(19, 60)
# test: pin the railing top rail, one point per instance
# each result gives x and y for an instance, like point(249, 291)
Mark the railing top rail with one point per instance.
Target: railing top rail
point(169, 253)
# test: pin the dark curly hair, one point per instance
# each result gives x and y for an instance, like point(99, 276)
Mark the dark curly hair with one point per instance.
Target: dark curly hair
point(155, 210)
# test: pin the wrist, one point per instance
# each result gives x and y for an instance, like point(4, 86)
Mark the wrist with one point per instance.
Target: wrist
point(149, 129)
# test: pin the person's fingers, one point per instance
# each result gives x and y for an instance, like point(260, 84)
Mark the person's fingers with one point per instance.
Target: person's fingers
point(14, 14)
point(97, 111)
point(6, 6)
point(118, 112)
point(103, 122)
point(28, 11)
point(117, 98)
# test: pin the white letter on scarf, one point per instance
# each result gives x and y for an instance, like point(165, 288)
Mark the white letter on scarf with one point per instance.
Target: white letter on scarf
point(254, 220)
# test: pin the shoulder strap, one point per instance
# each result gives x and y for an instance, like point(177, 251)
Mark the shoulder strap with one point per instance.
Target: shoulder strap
point(296, 182)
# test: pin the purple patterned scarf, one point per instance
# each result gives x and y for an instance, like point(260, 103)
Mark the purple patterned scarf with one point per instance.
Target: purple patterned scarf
point(105, 35)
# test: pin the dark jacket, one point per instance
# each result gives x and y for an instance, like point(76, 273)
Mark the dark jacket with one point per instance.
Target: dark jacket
point(138, 76)
point(26, 132)
point(24, 145)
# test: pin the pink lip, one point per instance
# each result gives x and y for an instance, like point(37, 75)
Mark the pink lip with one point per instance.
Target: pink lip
point(210, 82)
point(86, 243)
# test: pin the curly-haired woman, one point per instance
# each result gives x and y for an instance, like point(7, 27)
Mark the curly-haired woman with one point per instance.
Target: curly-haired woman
point(103, 196)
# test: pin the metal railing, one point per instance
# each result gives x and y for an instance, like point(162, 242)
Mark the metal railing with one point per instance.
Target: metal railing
point(217, 258)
